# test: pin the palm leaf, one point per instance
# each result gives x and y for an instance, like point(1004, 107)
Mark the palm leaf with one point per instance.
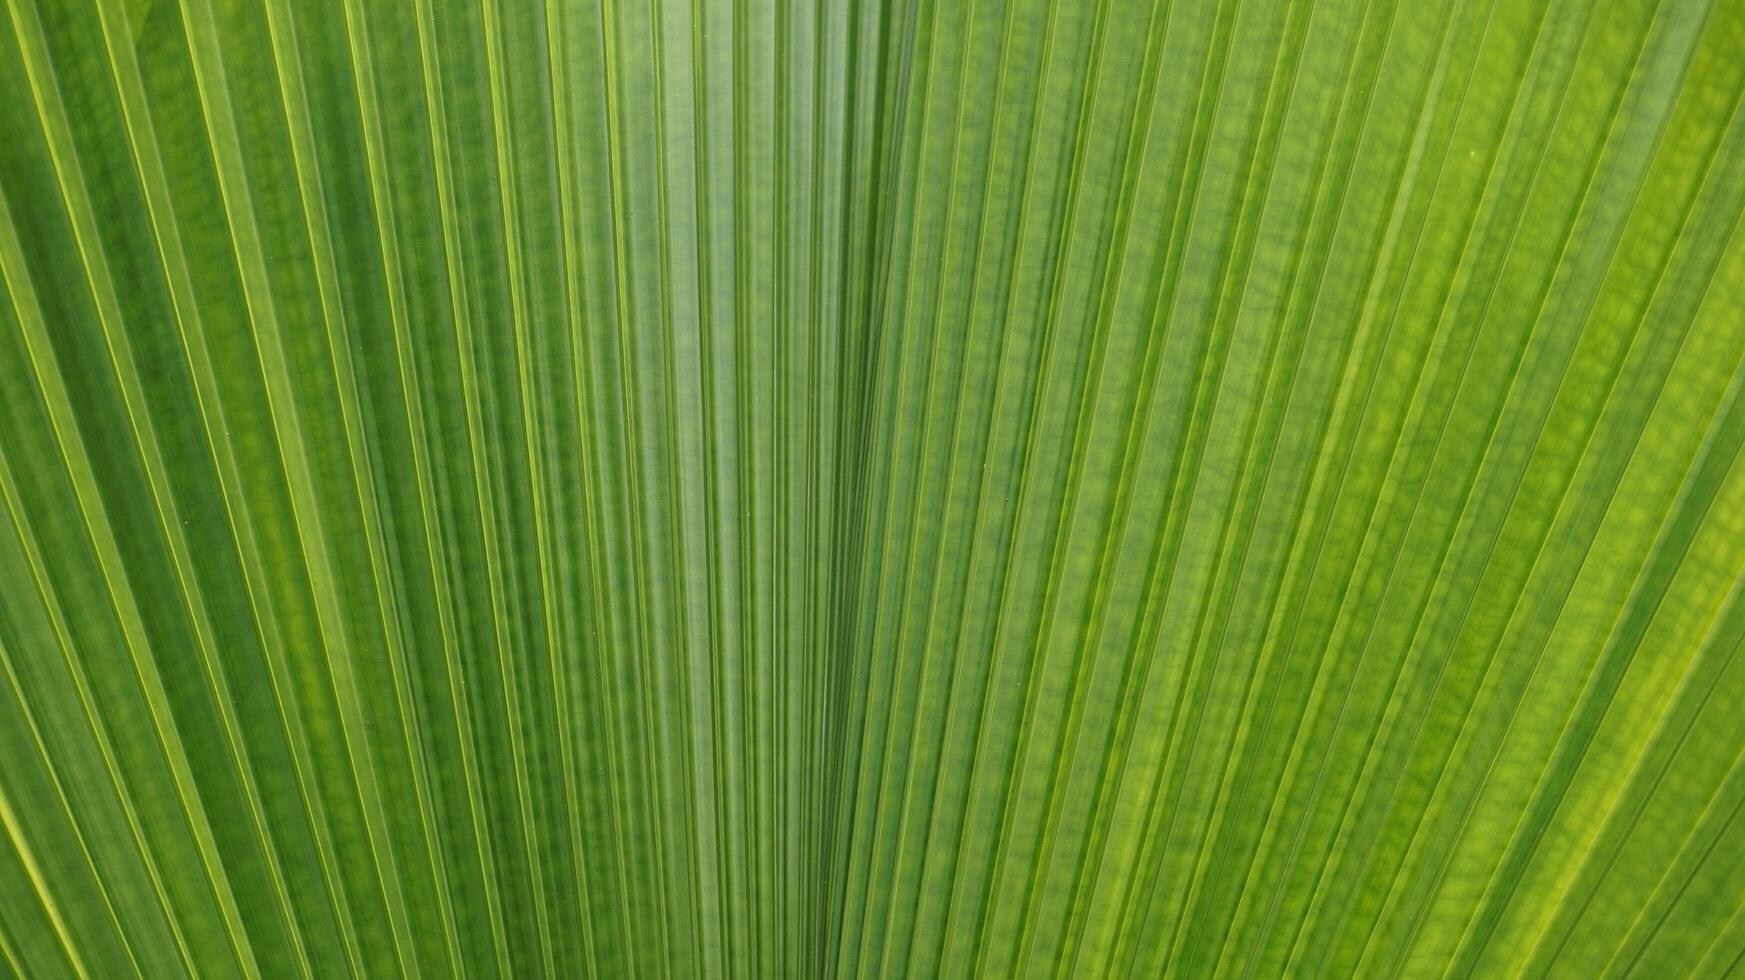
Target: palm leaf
point(872, 488)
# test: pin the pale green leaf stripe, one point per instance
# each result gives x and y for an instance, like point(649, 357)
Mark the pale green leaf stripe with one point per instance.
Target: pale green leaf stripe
point(872, 488)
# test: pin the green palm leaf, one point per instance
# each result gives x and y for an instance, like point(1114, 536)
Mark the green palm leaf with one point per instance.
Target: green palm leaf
point(872, 488)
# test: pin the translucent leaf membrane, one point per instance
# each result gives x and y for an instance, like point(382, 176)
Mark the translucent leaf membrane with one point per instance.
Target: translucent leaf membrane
point(872, 488)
